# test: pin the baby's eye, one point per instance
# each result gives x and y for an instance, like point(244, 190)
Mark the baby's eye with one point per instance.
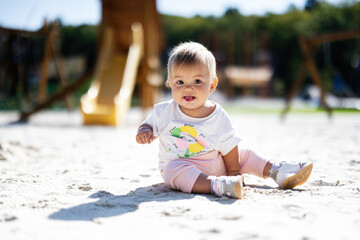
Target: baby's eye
point(197, 81)
point(179, 82)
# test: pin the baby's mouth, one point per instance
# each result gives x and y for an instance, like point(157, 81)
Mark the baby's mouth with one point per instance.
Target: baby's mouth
point(189, 98)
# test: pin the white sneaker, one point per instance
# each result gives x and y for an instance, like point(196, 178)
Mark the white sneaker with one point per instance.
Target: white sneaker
point(290, 175)
point(229, 186)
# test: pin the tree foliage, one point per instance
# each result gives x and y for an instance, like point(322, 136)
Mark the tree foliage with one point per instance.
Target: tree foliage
point(79, 40)
point(228, 35)
point(237, 39)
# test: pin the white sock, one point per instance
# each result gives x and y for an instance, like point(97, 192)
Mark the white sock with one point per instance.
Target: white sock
point(216, 188)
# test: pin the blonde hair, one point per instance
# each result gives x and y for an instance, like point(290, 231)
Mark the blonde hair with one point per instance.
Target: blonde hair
point(191, 53)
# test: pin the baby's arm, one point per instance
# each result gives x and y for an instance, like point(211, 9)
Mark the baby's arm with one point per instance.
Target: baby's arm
point(145, 134)
point(231, 161)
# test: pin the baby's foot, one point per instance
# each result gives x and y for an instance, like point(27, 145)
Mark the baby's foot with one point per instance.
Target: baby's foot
point(229, 186)
point(290, 175)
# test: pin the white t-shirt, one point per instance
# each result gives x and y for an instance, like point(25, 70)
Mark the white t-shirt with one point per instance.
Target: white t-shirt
point(182, 136)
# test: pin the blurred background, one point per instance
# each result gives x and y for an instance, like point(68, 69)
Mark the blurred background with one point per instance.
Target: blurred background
point(52, 52)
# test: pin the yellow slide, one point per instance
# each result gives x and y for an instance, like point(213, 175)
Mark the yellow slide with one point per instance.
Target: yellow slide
point(109, 97)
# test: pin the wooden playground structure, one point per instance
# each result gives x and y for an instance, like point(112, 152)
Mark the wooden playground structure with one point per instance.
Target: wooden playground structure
point(129, 54)
point(130, 42)
point(308, 45)
point(249, 76)
point(109, 96)
point(50, 32)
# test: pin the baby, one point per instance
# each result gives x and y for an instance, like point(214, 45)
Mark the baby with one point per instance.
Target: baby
point(199, 150)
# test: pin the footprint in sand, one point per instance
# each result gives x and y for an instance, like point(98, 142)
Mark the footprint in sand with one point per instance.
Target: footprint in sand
point(85, 187)
point(7, 218)
point(322, 183)
point(175, 212)
point(295, 211)
point(82, 187)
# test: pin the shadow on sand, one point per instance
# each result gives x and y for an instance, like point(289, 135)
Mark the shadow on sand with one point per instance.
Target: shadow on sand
point(109, 205)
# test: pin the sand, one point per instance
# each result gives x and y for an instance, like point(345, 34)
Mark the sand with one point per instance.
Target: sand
point(61, 180)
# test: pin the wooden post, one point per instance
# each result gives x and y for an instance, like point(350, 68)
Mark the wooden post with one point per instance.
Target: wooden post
point(45, 68)
point(58, 63)
point(307, 45)
point(247, 49)
point(295, 89)
point(231, 48)
point(51, 52)
point(311, 66)
point(24, 116)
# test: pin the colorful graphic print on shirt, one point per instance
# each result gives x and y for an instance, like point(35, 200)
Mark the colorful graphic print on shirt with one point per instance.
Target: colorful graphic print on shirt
point(188, 142)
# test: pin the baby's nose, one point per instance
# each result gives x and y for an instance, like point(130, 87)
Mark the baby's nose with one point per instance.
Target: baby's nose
point(188, 87)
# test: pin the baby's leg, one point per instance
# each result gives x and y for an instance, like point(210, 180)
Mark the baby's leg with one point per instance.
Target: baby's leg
point(184, 175)
point(286, 175)
point(252, 163)
point(202, 184)
point(229, 186)
point(180, 175)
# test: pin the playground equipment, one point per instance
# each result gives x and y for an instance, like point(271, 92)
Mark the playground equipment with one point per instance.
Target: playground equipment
point(50, 32)
point(109, 96)
point(129, 55)
point(308, 45)
point(247, 76)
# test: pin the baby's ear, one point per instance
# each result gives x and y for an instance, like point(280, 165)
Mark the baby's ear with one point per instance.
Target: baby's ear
point(167, 83)
point(214, 85)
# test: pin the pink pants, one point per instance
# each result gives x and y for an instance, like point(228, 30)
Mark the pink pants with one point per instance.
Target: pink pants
point(181, 174)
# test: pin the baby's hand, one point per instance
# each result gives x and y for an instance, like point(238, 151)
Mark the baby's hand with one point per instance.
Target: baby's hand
point(145, 135)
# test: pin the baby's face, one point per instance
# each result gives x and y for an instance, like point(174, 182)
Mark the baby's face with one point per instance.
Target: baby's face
point(191, 86)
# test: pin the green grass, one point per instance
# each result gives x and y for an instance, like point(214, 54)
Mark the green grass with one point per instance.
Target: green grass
point(255, 110)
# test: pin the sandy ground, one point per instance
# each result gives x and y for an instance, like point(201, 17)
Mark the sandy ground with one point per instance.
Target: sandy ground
point(61, 180)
